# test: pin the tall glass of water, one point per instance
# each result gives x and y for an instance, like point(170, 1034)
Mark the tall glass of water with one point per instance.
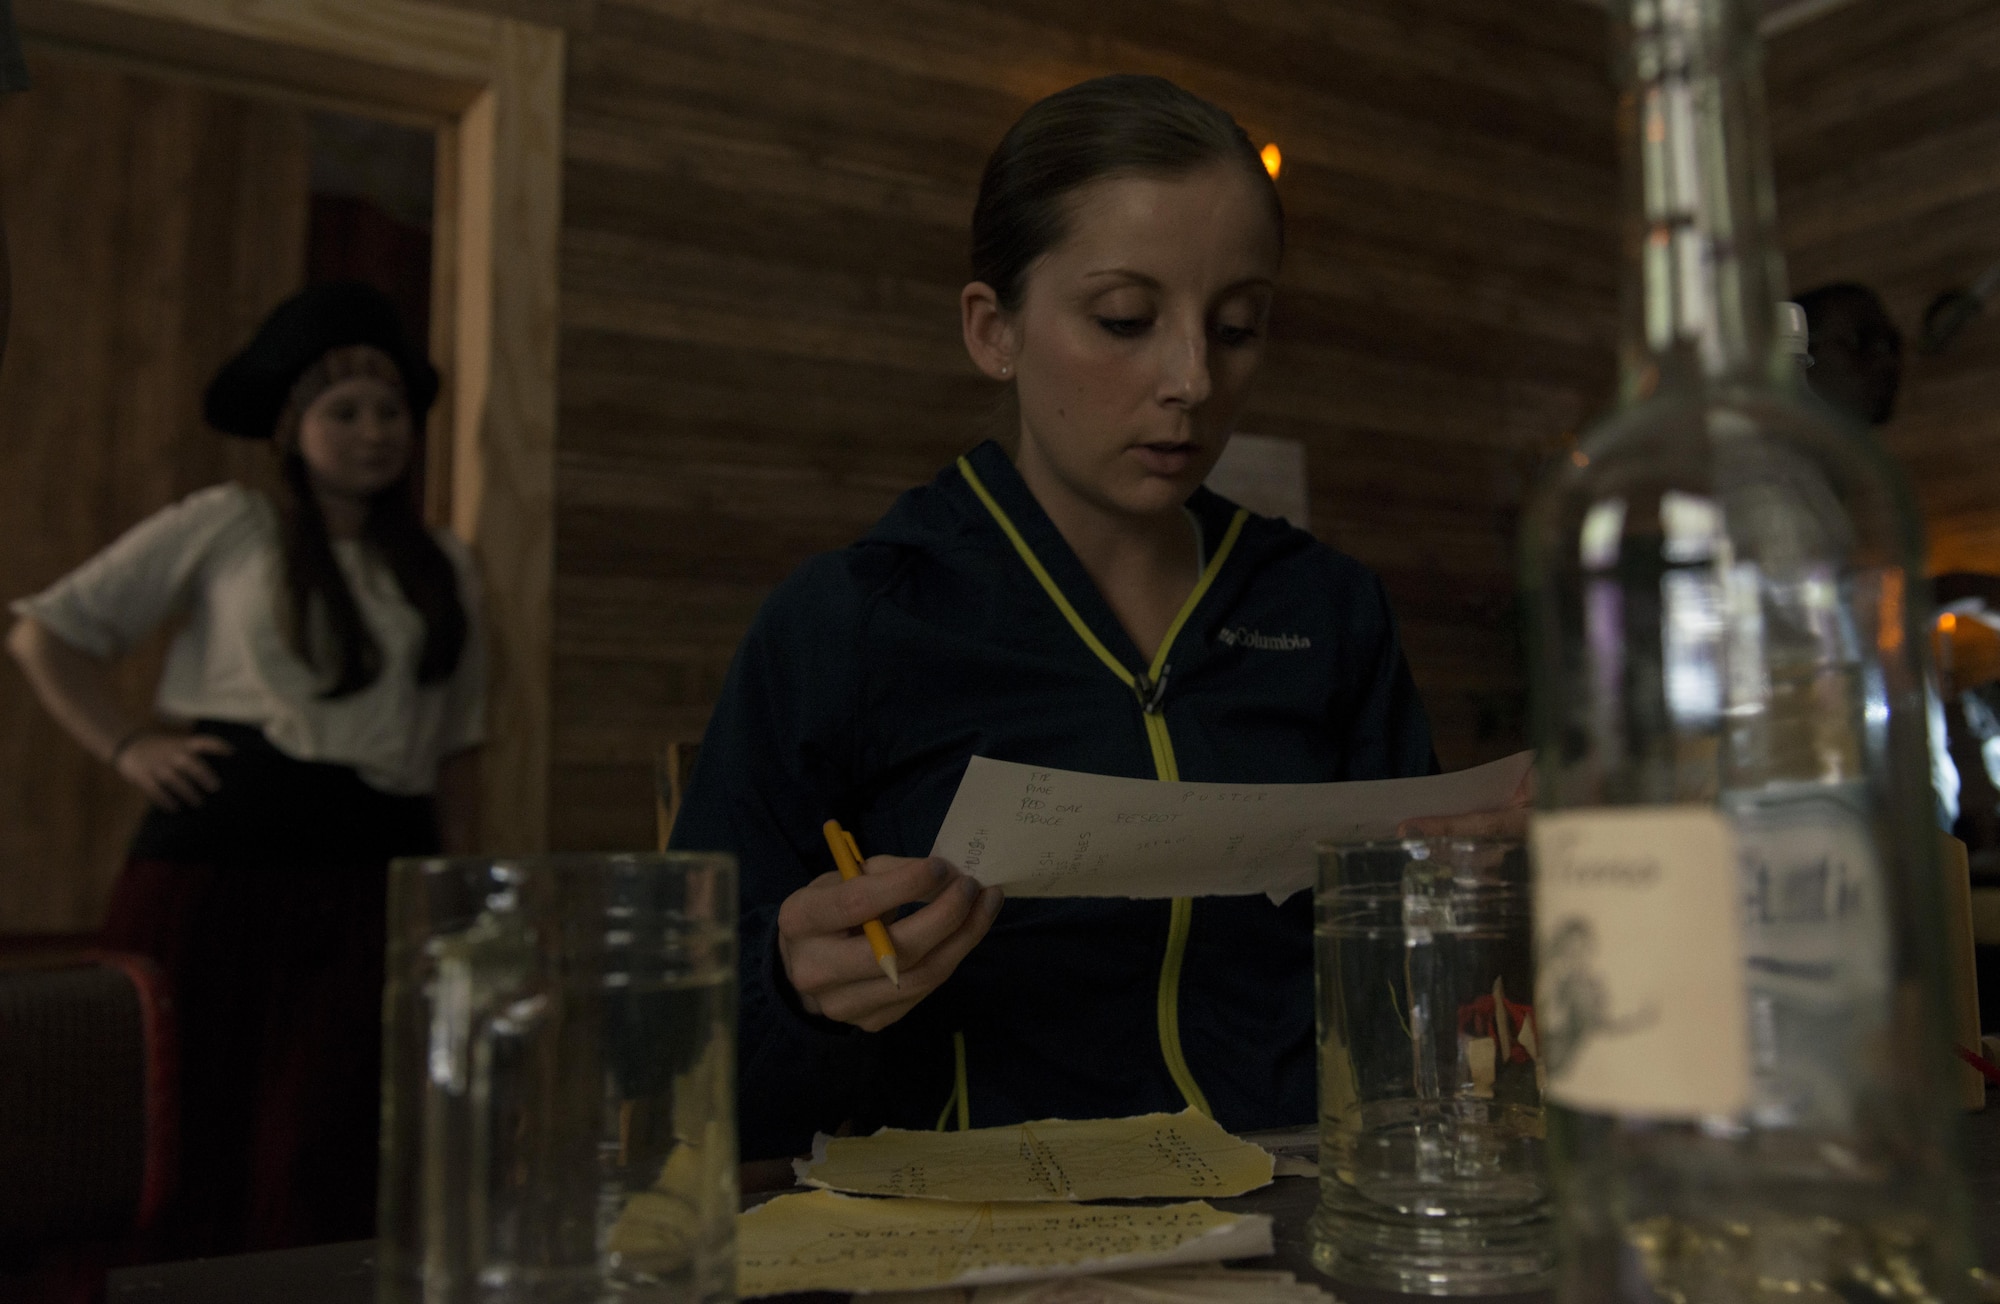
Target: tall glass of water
point(558, 1102)
point(1431, 1142)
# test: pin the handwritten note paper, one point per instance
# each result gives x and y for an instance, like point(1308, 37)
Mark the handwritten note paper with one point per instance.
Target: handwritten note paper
point(1152, 1155)
point(1208, 1284)
point(1058, 833)
point(823, 1241)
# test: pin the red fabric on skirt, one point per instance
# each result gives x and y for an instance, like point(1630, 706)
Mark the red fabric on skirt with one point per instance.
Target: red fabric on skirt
point(264, 906)
point(276, 976)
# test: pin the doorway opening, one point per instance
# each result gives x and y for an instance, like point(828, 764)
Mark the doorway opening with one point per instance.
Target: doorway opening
point(238, 151)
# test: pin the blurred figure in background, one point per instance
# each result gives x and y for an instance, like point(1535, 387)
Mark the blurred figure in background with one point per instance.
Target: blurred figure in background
point(1968, 669)
point(318, 714)
point(1857, 370)
point(1857, 352)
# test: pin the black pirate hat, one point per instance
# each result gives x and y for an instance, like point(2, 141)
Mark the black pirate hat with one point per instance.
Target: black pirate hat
point(248, 395)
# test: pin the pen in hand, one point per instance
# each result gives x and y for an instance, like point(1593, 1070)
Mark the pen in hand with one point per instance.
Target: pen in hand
point(847, 858)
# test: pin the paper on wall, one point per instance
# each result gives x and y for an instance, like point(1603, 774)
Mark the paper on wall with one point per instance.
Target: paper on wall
point(823, 1241)
point(1267, 474)
point(1147, 1156)
point(1043, 832)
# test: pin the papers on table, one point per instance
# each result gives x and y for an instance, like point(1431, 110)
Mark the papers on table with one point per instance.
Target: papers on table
point(1152, 1155)
point(823, 1241)
point(1058, 833)
point(1208, 1284)
point(1294, 1151)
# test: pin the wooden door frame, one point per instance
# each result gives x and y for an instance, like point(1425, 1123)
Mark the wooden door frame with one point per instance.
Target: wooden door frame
point(492, 88)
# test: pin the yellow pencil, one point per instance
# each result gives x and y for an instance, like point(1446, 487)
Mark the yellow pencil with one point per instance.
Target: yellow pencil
point(847, 858)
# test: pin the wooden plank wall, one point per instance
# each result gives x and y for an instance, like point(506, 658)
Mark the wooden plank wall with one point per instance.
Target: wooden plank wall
point(765, 212)
point(1886, 128)
point(152, 224)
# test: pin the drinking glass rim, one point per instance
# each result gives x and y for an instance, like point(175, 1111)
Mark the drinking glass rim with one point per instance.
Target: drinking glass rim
point(561, 861)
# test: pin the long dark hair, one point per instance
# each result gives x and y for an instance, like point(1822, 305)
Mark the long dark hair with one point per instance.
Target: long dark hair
point(1122, 124)
point(314, 582)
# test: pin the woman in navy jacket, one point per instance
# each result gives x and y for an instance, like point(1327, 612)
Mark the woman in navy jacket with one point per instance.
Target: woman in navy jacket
point(1078, 601)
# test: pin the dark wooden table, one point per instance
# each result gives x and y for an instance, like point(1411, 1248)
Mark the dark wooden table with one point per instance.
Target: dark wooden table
point(345, 1273)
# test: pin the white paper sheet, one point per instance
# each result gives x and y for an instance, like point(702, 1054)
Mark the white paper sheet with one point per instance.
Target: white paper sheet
point(1058, 833)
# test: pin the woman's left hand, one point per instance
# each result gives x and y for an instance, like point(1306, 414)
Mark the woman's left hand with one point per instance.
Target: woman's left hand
point(1509, 821)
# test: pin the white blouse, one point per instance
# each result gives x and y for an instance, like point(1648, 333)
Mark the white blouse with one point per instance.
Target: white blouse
point(214, 558)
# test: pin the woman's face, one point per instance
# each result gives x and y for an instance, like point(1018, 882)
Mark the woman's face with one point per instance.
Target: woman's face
point(355, 437)
point(1138, 335)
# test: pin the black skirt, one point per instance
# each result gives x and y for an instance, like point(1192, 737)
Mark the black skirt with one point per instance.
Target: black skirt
point(265, 906)
point(274, 810)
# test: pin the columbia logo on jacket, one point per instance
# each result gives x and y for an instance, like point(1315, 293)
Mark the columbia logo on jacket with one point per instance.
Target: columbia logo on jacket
point(1239, 637)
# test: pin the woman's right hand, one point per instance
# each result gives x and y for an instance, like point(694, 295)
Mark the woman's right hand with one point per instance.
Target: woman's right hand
point(169, 769)
point(829, 962)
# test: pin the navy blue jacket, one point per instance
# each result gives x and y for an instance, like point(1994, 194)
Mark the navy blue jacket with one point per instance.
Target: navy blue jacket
point(871, 677)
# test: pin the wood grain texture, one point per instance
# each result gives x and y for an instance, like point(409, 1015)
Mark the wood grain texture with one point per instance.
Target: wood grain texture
point(1886, 141)
point(508, 152)
point(765, 208)
point(441, 428)
point(152, 224)
point(366, 56)
point(445, 43)
point(569, 15)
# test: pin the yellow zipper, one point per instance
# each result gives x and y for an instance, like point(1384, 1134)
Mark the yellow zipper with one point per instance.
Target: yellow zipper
point(1149, 691)
point(960, 1099)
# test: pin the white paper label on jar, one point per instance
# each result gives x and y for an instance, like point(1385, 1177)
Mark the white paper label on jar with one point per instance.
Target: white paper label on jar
point(1640, 1002)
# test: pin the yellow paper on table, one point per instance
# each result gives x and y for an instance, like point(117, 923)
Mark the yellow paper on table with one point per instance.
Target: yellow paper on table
point(1148, 1156)
point(1207, 1283)
point(823, 1241)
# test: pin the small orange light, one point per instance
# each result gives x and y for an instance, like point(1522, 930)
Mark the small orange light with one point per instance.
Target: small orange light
point(1947, 622)
point(1273, 160)
point(1578, 456)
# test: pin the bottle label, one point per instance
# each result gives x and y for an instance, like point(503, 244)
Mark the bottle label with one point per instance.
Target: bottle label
point(1640, 999)
point(1816, 950)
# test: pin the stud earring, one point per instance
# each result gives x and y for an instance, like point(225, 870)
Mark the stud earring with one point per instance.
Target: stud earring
point(1005, 369)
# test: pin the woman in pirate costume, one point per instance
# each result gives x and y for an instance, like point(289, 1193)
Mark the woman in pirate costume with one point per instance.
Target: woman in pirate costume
point(318, 714)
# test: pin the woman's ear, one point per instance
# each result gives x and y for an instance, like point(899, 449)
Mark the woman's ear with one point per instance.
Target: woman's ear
point(991, 334)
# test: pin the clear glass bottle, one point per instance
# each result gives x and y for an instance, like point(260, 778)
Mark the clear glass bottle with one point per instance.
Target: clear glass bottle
point(1737, 910)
